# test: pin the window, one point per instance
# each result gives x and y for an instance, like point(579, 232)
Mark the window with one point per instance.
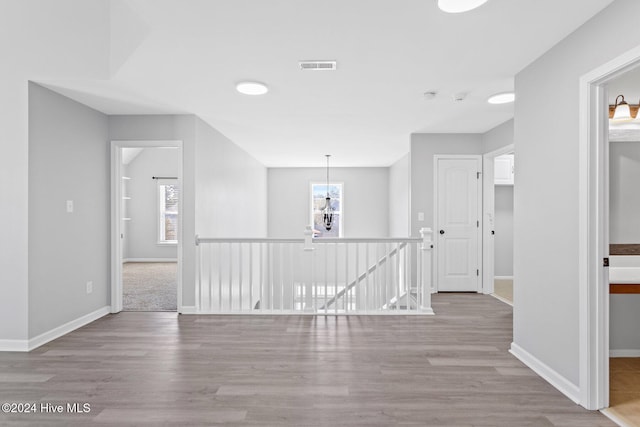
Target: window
point(318, 196)
point(168, 193)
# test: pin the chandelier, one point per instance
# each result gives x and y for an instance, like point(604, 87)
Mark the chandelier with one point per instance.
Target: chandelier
point(327, 211)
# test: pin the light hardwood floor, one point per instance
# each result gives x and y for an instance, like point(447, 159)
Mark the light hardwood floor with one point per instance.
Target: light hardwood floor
point(624, 397)
point(452, 369)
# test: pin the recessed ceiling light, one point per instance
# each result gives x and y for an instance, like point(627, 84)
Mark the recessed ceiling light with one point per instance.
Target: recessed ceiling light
point(502, 98)
point(458, 6)
point(252, 88)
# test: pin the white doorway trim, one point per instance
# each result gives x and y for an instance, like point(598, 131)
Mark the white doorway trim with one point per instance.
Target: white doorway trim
point(116, 215)
point(593, 223)
point(478, 159)
point(488, 207)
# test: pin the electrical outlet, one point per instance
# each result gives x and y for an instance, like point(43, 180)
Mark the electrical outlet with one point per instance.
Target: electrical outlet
point(420, 216)
point(89, 287)
point(69, 206)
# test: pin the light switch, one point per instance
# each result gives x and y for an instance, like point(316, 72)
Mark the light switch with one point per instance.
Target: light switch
point(69, 206)
point(420, 216)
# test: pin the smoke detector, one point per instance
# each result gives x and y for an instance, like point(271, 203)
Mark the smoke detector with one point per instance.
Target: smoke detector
point(318, 65)
point(430, 95)
point(458, 97)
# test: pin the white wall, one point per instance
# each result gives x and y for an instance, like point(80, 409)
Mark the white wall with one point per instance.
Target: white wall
point(503, 226)
point(45, 49)
point(231, 188)
point(142, 208)
point(68, 160)
point(365, 192)
point(423, 148)
point(624, 196)
point(546, 194)
point(399, 185)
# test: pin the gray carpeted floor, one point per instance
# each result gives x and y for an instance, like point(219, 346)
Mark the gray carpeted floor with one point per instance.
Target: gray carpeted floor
point(149, 286)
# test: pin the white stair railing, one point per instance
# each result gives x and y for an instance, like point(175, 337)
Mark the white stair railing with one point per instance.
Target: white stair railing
point(314, 276)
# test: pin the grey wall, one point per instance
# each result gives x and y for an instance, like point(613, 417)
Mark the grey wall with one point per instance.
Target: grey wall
point(624, 196)
point(546, 196)
point(423, 148)
point(68, 160)
point(231, 188)
point(142, 230)
point(624, 319)
point(399, 185)
point(503, 226)
point(48, 50)
point(365, 192)
point(498, 137)
point(169, 127)
point(624, 227)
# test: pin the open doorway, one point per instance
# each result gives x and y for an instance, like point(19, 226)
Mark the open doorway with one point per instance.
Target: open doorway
point(502, 232)
point(498, 183)
point(594, 229)
point(624, 249)
point(146, 225)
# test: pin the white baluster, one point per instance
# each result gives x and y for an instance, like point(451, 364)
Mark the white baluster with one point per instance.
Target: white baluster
point(426, 249)
point(308, 269)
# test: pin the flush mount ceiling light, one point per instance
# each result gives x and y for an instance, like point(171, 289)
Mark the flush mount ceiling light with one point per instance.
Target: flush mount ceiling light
point(459, 6)
point(252, 88)
point(502, 98)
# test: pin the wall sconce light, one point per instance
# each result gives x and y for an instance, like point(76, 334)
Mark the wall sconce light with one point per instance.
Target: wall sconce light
point(621, 110)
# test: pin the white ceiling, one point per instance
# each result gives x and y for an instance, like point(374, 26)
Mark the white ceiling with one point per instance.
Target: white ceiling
point(177, 56)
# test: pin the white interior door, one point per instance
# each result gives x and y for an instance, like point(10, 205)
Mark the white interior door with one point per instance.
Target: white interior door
point(458, 223)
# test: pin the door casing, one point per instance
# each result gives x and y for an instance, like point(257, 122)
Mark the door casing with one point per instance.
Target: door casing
point(116, 215)
point(488, 208)
point(593, 226)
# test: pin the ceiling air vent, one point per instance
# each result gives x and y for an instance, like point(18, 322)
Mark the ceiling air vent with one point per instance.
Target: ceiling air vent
point(318, 65)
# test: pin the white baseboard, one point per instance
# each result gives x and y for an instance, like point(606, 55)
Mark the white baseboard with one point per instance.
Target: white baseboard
point(14, 345)
point(187, 309)
point(624, 353)
point(67, 327)
point(565, 386)
point(125, 260)
point(35, 342)
point(503, 277)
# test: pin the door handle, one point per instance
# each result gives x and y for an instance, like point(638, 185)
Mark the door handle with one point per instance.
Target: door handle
point(441, 231)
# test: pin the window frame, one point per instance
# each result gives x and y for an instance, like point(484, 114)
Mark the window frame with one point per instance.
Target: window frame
point(340, 212)
point(160, 212)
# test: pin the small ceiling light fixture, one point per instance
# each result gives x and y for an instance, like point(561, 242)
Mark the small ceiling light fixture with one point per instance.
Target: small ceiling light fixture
point(502, 98)
point(252, 88)
point(327, 211)
point(459, 6)
point(621, 110)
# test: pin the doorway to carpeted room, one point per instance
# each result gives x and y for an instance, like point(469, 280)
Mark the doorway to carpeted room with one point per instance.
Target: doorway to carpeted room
point(149, 286)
